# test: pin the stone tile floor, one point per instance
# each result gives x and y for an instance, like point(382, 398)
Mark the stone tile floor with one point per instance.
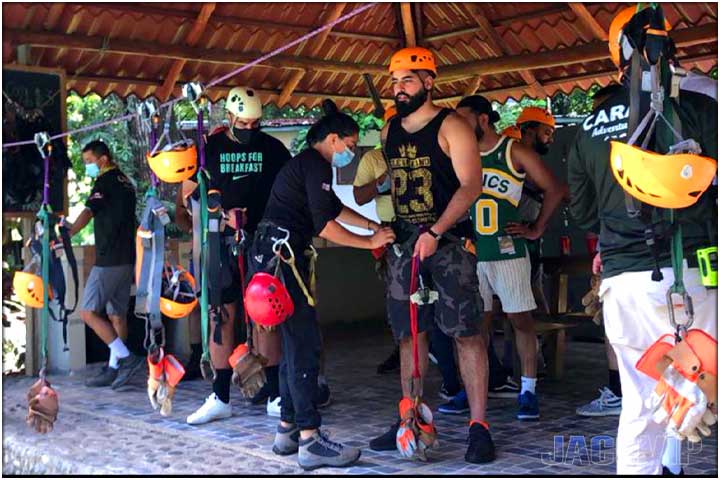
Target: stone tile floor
point(104, 432)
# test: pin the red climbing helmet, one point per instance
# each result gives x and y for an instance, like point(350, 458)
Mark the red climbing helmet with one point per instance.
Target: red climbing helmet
point(267, 301)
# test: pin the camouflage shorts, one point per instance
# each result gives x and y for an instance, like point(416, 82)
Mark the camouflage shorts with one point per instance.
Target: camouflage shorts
point(451, 272)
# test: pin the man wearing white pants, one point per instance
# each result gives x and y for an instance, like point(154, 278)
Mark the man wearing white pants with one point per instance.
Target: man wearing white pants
point(635, 307)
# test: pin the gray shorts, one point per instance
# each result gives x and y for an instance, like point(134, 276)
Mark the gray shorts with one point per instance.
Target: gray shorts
point(108, 288)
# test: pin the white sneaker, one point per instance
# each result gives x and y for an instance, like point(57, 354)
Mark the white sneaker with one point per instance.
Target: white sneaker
point(212, 409)
point(273, 407)
point(606, 404)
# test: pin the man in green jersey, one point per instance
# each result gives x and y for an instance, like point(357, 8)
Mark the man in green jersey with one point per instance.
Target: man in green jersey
point(503, 266)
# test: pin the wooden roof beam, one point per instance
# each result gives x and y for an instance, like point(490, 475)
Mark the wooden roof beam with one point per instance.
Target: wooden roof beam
point(553, 58)
point(191, 40)
point(408, 24)
point(196, 54)
point(223, 20)
point(317, 45)
point(588, 21)
point(499, 46)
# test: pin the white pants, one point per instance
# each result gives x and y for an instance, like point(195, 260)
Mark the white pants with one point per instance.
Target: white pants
point(635, 315)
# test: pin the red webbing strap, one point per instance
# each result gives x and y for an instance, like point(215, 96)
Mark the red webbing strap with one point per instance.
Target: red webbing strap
point(415, 271)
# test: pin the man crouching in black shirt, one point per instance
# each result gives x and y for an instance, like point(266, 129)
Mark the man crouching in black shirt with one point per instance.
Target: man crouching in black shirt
point(302, 204)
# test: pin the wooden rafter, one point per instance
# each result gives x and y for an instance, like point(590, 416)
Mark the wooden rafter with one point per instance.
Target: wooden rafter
point(500, 48)
point(408, 24)
point(317, 44)
point(218, 21)
point(191, 40)
point(588, 21)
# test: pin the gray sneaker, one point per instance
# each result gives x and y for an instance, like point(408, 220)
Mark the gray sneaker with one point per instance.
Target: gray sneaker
point(286, 440)
point(104, 378)
point(317, 451)
point(606, 404)
point(126, 369)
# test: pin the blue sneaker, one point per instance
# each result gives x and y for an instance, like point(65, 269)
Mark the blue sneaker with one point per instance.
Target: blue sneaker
point(528, 407)
point(458, 405)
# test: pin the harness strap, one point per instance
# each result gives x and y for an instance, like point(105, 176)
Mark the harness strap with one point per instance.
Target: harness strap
point(414, 274)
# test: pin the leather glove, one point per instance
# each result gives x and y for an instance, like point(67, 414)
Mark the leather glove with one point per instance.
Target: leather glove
point(591, 301)
point(207, 369)
point(248, 370)
point(685, 397)
point(406, 437)
point(173, 372)
point(426, 431)
point(42, 406)
point(156, 387)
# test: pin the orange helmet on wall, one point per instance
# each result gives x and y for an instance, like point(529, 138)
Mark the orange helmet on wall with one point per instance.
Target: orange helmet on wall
point(666, 181)
point(178, 292)
point(390, 112)
point(413, 58)
point(536, 114)
point(512, 131)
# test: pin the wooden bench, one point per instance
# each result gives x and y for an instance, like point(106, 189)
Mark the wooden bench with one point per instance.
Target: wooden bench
point(554, 339)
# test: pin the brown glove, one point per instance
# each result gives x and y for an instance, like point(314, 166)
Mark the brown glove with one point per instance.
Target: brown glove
point(248, 370)
point(591, 301)
point(42, 406)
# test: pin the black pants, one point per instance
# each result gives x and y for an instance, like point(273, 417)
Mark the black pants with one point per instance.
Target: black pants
point(300, 334)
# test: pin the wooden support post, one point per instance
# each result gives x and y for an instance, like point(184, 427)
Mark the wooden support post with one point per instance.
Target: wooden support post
point(408, 24)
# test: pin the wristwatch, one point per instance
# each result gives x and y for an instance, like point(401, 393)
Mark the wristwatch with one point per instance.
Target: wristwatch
point(436, 236)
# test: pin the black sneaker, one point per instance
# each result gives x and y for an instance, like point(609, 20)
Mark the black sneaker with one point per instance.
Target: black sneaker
point(126, 369)
point(105, 378)
point(508, 389)
point(386, 441)
point(262, 396)
point(667, 473)
point(391, 364)
point(322, 397)
point(318, 451)
point(481, 448)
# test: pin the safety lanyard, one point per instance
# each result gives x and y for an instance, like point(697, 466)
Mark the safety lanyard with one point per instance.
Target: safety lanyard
point(42, 141)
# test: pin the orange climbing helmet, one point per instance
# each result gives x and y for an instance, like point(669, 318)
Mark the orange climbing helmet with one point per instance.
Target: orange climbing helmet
point(615, 32)
point(178, 292)
point(175, 162)
point(512, 131)
point(390, 112)
point(413, 58)
point(665, 181)
point(29, 287)
point(536, 114)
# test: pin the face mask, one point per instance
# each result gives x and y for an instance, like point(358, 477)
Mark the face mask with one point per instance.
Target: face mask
point(244, 135)
point(92, 170)
point(342, 159)
point(416, 101)
point(385, 186)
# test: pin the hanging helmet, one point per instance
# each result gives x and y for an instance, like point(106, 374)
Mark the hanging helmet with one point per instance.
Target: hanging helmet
point(244, 103)
point(536, 114)
point(413, 58)
point(512, 131)
point(666, 181)
point(178, 292)
point(390, 112)
point(174, 163)
point(267, 301)
point(29, 287)
point(615, 32)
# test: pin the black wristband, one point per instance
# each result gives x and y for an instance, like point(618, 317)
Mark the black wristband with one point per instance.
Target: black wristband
point(436, 236)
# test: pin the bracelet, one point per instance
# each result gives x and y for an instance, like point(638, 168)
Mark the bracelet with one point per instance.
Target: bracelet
point(436, 236)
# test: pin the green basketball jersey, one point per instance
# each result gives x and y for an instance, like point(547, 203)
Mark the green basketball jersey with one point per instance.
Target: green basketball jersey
point(498, 205)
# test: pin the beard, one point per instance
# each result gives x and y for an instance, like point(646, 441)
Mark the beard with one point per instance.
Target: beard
point(479, 133)
point(414, 102)
point(541, 148)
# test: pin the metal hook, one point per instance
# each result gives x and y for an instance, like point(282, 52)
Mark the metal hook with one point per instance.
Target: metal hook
point(42, 140)
point(279, 242)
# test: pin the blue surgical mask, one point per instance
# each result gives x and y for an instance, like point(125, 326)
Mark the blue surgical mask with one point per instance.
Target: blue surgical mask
point(92, 170)
point(342, 159)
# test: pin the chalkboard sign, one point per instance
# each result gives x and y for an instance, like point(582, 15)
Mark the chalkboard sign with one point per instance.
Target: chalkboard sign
point(33, 101)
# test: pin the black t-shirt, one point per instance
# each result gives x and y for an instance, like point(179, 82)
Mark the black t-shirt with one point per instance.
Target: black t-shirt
point(244, 174)
point(112, 202)
point(302, 198)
